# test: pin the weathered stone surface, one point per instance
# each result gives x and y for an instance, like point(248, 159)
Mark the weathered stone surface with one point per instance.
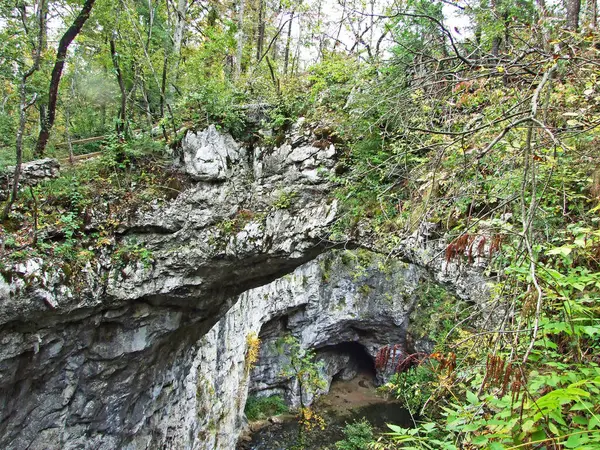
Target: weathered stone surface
point(89, 366)
point(210, 155)
point(32, 173)
point(323, 303)
point(145, 355)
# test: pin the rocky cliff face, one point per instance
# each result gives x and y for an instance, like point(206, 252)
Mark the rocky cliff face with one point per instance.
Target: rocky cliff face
point(148, 353)
point(327, 302)
point(32, 173)
point(89, 366)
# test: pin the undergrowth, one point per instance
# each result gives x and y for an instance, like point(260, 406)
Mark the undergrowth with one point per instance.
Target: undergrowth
point(258, 408)
point(70, 221)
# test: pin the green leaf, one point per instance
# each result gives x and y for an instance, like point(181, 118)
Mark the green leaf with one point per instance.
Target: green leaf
point(539, 435)
point(472, 398)
point(480, 440)
point(563, 251)
point(396, 428)
point(574, 441)
point(580, 420)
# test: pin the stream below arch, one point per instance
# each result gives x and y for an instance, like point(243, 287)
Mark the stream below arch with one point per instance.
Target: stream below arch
point(347, 402)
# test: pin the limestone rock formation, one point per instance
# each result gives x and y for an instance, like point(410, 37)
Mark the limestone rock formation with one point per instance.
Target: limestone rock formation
point(32, 173)
point(327, 302)
point(147, 352)
point(90, 365)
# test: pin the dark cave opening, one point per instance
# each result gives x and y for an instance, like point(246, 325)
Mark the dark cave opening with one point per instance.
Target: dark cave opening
point(360, 363)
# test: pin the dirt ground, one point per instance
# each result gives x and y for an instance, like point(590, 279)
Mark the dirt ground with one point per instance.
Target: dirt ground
point(345, 396)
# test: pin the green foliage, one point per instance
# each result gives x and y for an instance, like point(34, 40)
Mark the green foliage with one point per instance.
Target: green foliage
point(414, 387)
point(530, 379)
point(427, 436)
point(330, 80)
point(133, 253)
point(54, 223)
point(444, 312)
point(284, 200)
point(216, 102)
point(301, 365)
point(258, 408)
point(70, 225)
point(120, 153)
point(7, 133)
point(358, 435)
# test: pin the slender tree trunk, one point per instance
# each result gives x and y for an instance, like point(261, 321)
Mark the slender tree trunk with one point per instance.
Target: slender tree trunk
point(296, 59)
point(543, 10)
point(19, 144)
point(147, 105)
point(477, 35)
point(260, 39)
point(240, 40)
point(44, 41)
point(545, 32)
point(573, 9)
point(496, 39)
point(592, 13)
point(23, 107)
point(59, 64)
point(180, 25)
point(288, 43)
point(321, 38)
point(163, 84)
point(120, 128)
point(274, 79)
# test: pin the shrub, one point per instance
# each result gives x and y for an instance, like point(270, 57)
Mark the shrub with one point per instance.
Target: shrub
point(358, 436)
point(262, 407)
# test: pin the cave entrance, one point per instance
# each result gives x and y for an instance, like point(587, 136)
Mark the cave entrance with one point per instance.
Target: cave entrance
point(354, 361)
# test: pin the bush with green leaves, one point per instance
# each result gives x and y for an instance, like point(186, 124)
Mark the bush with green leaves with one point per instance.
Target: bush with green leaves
point(216, 102)
point(258, 408)
point(358, 436)
point(413, 388)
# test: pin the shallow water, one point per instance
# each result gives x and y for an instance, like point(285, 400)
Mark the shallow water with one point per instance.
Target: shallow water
point(285, 436)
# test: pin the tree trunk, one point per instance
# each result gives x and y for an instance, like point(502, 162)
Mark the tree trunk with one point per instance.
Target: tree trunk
point(240, 40)
point(496, 39)
point(288, 43)
point(573, 9)
point(260, 39)
point(163, 84)
point(592, 13)
point(44, 42)
point(59, 64)
point(23, 107)
point(180, 25)
point(120, 128)
point(147, 105)
point(541, 4)
point(19, 144)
